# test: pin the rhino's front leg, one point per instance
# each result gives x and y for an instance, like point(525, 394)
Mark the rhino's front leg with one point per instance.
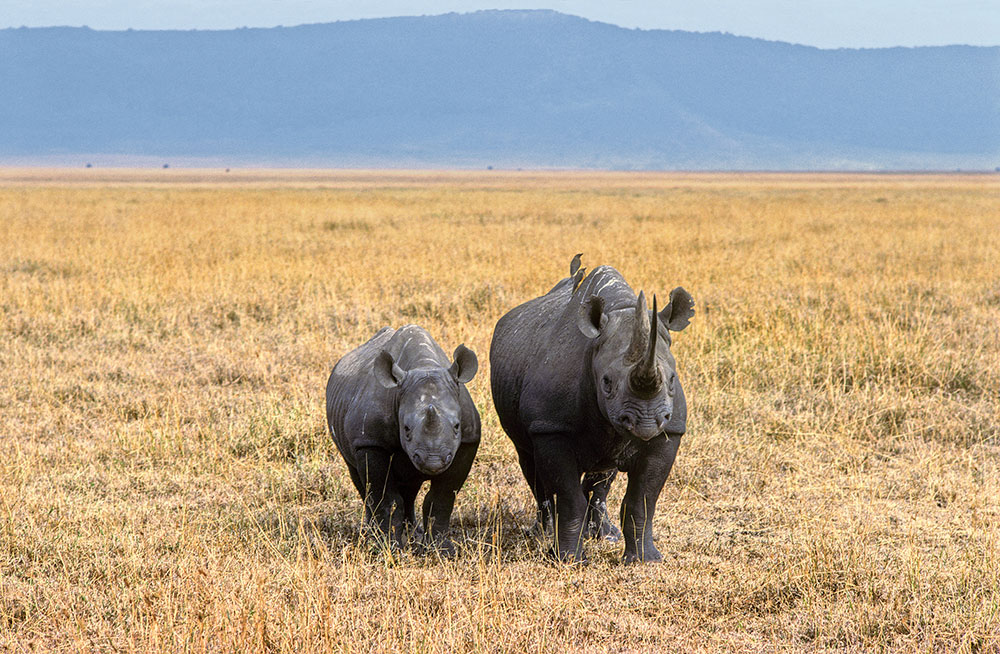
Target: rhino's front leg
point(383, 502)
point(646, 477)
point(440, 499)
point(558, 468)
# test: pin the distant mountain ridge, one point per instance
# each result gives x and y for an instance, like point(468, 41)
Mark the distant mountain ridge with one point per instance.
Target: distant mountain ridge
point(504, 88)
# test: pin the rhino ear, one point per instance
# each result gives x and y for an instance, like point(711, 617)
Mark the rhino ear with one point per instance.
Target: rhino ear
point(465, 366)
point(679, 310)
point(592, 317)
point(387, 372)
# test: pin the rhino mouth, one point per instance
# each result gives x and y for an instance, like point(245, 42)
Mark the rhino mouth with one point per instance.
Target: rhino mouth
point(430, 463)
point(644, 428)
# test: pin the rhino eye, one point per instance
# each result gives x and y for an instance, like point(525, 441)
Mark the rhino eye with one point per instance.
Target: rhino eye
point(406, 432)
point(606, 383)
point(456, 426)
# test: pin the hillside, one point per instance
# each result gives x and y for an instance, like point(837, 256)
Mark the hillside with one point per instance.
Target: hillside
point(505, 88)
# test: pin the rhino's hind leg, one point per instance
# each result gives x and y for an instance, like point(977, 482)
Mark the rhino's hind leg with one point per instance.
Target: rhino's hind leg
point(595, 488)
point(543, 515)
point(544, 518)
point(412, 528)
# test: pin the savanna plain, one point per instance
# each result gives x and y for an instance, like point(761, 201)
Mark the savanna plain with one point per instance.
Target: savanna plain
point(167, 482)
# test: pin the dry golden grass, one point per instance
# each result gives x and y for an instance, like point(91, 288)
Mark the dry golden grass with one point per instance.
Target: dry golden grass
point(167, 483)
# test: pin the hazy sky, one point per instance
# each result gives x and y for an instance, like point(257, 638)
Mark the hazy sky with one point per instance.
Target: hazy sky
point(823, 23)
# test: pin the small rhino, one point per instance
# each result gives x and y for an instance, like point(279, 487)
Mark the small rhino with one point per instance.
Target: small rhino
point(400, 414)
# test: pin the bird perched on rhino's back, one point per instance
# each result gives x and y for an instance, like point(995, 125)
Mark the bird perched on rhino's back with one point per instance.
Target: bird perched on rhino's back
point(400, 415)
point(584, 381)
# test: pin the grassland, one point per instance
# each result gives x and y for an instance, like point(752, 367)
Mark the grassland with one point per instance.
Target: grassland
point(167, 483)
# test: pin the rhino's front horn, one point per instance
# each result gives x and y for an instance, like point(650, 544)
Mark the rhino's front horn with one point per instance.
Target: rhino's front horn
point(430, 417)
point(640, 332)
point(645, 376)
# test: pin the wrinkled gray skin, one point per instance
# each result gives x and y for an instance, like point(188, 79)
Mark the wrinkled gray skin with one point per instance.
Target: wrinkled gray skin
point(400, 415)
point(584, 382)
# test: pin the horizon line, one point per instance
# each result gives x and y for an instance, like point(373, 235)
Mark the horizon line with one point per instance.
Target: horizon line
point(553, 12)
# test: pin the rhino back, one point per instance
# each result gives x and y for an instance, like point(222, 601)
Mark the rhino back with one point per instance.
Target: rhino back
point(608, 284)
point(412, 346)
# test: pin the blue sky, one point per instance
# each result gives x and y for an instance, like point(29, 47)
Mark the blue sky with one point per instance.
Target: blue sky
point(823, 23)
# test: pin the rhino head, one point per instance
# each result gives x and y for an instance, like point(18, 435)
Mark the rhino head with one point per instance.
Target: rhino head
point(633, 370)
point(429, 414)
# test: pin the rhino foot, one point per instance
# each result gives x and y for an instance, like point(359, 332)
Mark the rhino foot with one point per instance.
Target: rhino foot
point(443, 547)
point(647, 554)
point(416, 533)
point(568, 557)
point(604, 530)
point(381, 547)
point(538, 531)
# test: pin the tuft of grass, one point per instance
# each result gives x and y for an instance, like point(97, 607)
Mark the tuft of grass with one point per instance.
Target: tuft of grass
point(167, 482)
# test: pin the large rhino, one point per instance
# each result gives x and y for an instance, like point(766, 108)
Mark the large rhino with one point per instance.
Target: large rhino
point(584, 382)
point(400, 414)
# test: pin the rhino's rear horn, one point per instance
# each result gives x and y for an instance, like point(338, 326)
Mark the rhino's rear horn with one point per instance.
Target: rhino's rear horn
point(649, 364)
point(645, 375)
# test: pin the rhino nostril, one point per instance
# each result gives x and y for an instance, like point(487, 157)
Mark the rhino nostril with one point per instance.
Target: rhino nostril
point(627, 422)
point(448, 458)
